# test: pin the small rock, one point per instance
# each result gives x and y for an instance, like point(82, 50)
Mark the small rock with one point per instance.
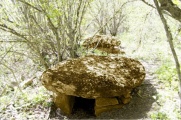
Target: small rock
point(27, 83)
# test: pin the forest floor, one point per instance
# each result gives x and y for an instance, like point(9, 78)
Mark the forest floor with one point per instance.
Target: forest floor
point(151, 100)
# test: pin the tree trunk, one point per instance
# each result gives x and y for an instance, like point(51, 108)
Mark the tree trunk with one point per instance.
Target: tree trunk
point(170, 7)
point(170, 40)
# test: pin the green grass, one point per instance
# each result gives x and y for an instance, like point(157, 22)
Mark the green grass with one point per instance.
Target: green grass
point(159, 116)
point(167, 74)
point(169, 100)
point(24, 103)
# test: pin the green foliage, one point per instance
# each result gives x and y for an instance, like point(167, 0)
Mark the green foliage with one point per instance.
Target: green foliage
point(167, 73)
point(160, 116)
point(176, 2)
point(53, 13)
point(177, 111)
point(26, 101)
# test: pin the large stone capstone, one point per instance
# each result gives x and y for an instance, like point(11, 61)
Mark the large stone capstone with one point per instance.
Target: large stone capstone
point(94, 77)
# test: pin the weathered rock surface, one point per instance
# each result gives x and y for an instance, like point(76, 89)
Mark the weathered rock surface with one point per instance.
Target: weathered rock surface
point(109, 44)
point(100, 102)
point(99, 110)
point(94, 76)
point(64, 102)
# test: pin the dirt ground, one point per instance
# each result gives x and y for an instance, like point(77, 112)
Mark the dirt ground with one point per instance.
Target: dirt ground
point(140, 107)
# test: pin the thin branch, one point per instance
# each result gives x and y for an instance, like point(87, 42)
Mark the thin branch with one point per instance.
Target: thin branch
point(36, 23)
point(11, 41)
point(148, 4)
point(22, 54)
point(11, 30)
point(6, 53)
point(13, 76)
point(3, 91)
point(30, 5)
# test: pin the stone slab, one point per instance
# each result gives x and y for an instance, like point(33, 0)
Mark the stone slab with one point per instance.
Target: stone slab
point(99, 110)
point(64, 102)
point(106, 101)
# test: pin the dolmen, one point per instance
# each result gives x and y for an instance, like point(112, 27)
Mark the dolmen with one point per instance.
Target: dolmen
point(107, 79)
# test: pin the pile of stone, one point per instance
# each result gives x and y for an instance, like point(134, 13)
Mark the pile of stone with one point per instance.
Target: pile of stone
point(109, 44)
point(108, 80)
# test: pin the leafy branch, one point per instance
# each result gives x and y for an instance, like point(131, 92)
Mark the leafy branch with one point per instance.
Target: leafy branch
point(11, 30)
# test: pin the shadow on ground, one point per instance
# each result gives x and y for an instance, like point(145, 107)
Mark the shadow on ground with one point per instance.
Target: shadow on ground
point(138, 108)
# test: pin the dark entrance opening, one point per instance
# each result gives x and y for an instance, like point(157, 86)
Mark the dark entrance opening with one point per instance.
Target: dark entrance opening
point(83, 104)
